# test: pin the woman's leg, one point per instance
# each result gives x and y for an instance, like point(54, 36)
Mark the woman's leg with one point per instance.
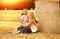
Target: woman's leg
point(17, 30)
point(20, 28)
point(26, 29)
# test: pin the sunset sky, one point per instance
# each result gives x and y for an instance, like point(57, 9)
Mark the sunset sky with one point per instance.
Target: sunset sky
point(16, 4)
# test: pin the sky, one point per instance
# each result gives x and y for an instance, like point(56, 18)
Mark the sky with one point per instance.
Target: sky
point(16, 4)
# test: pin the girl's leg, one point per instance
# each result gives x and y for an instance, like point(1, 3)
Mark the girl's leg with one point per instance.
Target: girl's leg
point(28, 29)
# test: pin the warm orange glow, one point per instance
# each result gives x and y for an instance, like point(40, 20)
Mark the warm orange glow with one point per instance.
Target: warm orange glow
point(10, 1)
point(16, 4)
point(13, 4)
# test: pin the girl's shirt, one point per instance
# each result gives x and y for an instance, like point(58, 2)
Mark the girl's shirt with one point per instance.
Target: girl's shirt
point(34, 27)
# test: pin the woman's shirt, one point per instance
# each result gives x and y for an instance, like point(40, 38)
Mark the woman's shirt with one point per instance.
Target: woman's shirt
point(24, 18)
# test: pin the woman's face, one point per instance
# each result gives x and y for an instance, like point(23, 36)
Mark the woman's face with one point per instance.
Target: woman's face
point(25, 11)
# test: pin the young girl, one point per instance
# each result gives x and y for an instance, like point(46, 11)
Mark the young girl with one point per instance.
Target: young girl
point(32, 22)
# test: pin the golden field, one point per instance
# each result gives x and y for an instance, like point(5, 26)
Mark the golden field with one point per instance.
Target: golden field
point(9, 20)
point(29, 36)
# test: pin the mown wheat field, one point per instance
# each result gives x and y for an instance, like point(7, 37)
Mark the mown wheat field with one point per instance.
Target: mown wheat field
point(9, 21)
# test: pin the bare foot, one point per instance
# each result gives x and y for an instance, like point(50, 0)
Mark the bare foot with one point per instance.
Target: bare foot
point(15, 32)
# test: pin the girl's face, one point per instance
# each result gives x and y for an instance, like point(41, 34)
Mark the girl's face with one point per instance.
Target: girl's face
point(31, 15)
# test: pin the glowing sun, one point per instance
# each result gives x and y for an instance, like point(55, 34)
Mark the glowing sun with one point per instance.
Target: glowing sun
point(9, 2)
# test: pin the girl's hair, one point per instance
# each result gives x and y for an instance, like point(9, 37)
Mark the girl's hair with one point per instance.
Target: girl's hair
point(31, 15)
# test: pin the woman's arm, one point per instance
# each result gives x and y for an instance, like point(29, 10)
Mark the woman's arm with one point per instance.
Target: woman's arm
point(28, 24)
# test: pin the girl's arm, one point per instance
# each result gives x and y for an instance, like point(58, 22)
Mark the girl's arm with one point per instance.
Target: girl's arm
point(35, 23)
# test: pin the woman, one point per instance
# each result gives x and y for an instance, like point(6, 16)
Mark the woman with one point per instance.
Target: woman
point(23, 20)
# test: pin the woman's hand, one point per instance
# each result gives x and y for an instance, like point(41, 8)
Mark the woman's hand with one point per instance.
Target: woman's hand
point(23, 24)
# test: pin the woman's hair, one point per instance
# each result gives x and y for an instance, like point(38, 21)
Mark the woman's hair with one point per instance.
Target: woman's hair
point(23, 10)
point(31, 15)
point(21, 13)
